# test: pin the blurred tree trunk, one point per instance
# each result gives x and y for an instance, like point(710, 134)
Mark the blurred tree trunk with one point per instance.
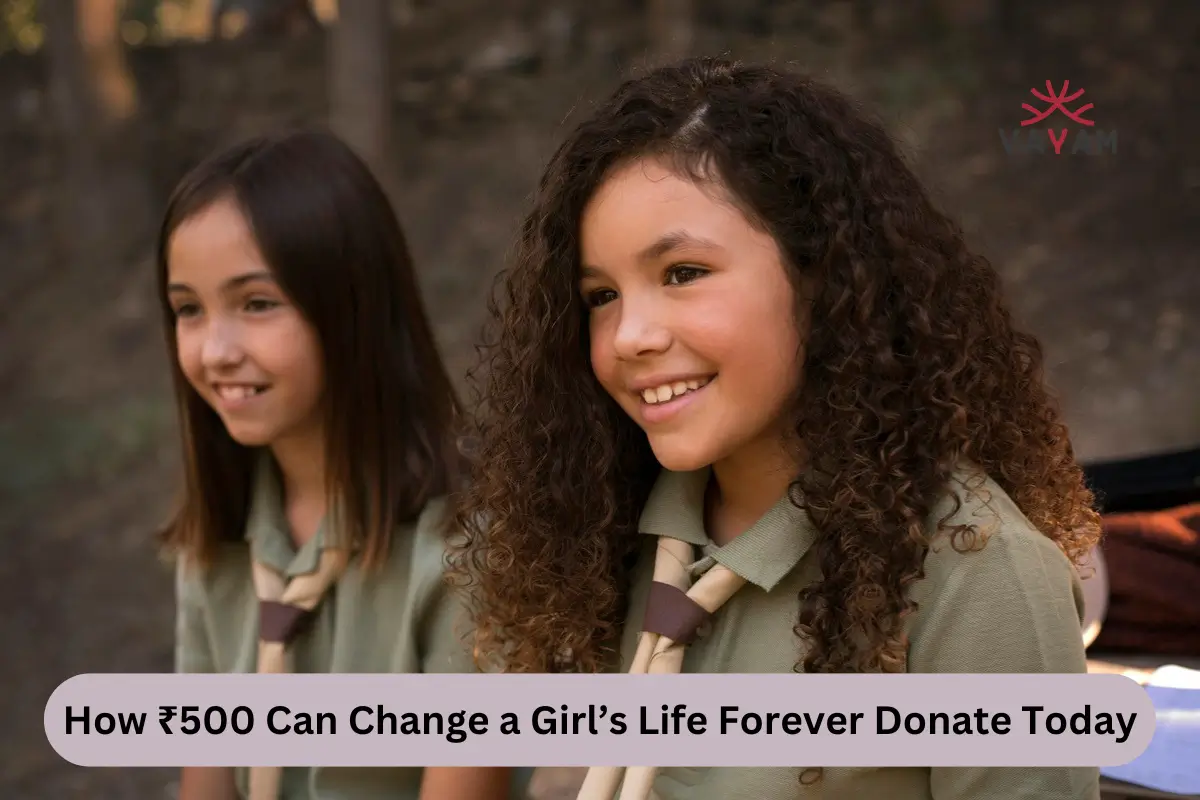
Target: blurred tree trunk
point(672, 29)
point(99, 26)
point(102, 202)
point(360, 81)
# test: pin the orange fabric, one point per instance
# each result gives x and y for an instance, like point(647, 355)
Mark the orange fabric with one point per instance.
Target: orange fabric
point(1154, 576)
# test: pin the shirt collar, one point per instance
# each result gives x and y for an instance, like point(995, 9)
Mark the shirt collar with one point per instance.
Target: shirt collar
point(764, 554)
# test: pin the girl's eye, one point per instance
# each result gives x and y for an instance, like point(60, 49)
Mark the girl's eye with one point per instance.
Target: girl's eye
point(258, 305)
point(599, 297)
point(184, 310)
point(684, 273)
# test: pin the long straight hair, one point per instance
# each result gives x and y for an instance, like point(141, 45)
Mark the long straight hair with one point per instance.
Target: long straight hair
point(332, 239)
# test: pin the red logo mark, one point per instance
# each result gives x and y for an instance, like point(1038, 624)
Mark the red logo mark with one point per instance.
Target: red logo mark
point(1058, 102)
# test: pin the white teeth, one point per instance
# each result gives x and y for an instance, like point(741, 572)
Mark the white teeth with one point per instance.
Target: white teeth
point(239, 392)
point(662, 394)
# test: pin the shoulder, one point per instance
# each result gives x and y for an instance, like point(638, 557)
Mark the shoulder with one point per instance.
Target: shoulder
point(189, 580)
point(416, 560)
point(438, 611)
point(999, 595)
point(978, 531)
point(427, 542)
point(430, 535)
point(198, 584)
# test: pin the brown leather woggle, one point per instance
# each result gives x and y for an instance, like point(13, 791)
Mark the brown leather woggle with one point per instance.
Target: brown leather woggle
point(671, 613)
point(280, 622)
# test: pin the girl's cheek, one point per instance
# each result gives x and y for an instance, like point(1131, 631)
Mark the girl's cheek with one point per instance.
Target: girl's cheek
point(188, 354)
point(600, 352)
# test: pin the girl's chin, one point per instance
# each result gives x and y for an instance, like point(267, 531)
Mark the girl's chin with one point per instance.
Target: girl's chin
point(249, 435)
point(251, 440)
point(678, 453)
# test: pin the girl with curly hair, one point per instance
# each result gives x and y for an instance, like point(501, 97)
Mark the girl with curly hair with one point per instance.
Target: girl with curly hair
point(738, 334)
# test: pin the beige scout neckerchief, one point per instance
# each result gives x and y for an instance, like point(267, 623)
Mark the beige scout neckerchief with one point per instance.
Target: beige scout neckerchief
point(674, 613)
point(284, 609)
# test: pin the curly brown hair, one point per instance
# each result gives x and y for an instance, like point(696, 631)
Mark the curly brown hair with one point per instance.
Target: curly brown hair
point(912, 366)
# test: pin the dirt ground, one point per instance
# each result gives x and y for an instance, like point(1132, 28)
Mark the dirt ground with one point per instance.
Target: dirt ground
point(1100, 253)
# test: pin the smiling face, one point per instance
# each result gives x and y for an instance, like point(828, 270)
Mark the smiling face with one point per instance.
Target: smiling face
point(241, 344)
point(692, 317)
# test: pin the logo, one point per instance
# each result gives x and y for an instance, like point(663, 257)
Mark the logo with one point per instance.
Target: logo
point(1087, 138)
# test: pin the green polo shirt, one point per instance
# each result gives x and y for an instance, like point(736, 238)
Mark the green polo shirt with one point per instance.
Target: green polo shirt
point(401, 619)
point(1014, 606)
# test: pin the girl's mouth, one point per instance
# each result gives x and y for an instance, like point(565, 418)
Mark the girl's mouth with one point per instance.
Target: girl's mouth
point(235, 396)
point(661, 403)
point(669, 391)
point(238, 391)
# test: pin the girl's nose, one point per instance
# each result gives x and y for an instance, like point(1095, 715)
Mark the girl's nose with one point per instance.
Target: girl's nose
point(641, 331)
point(221, 348)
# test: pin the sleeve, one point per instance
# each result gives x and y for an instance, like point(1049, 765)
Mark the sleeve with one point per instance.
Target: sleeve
point(193, 653)
point(442, 630)
point(1015, 606)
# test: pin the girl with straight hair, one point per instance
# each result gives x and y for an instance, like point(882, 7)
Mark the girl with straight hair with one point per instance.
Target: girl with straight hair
point(752, 405)
point(318, 437)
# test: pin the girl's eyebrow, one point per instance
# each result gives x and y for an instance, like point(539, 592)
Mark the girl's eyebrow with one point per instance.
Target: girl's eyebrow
point(675, 240)
point(586, 271)
point(667, 243)
point(232, 283)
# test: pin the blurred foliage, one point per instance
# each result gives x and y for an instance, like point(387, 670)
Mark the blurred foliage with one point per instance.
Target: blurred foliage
point(142, 22)
point(19, 27)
